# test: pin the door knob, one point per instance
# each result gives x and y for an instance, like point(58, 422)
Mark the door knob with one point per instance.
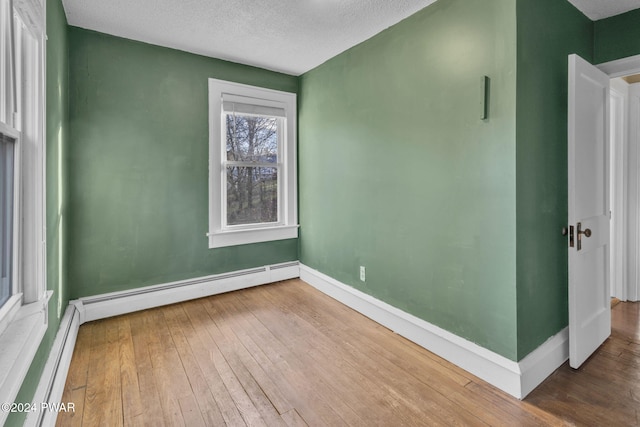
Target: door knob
point(586, 232)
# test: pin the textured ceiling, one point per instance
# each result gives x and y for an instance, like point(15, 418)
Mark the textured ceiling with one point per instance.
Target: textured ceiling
point(291, 36)
point(600, 9)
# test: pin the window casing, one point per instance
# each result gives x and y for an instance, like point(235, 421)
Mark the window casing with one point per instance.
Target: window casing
point(23, 304)
point(252, 167)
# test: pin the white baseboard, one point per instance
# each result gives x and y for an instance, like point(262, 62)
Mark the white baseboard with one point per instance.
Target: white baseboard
point(117, 303)
point(53, 378)
point(54, 375)
point(545, 359)
point(515, 378)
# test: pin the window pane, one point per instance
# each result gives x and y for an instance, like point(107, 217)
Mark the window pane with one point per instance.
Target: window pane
point(6, 216)
point(252, 195)
point(252, 138)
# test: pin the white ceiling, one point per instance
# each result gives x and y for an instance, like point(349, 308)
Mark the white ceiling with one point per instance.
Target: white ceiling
point(600, 9)
point(290, 36)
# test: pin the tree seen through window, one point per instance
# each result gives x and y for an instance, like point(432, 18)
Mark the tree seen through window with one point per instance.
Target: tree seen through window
point(252, 169)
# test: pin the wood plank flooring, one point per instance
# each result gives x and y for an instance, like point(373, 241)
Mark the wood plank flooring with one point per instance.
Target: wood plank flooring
point(287, 355)
point(605, 391)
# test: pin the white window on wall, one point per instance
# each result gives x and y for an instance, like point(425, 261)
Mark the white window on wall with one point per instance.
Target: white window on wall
point(252, 164)
point(23, 295)
point(7, 209)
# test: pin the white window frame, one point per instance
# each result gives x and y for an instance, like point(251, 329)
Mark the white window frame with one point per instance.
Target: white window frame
point(23, 318)
point(12, 305)
point(220, 234)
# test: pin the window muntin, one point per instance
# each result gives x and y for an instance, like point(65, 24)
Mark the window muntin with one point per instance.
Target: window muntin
point(252, 182)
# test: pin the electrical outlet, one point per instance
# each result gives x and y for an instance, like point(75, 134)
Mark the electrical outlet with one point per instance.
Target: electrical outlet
point(362, 273)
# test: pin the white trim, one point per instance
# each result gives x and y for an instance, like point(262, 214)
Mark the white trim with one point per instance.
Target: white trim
point(253, 235)
point(619, 183)
point(515, 378)
point(9, 131)
point(54, 376)
point(621, 67)
point(33, 166)
point(21, 338)
point(32, 14)
point(117, 303)
point(219, 234)
point(633, 196)
point(20, 342)
point(8, 311)
point(543, 361)
point(17, 250)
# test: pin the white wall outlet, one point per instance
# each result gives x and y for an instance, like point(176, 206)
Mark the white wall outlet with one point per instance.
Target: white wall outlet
point(362, 273)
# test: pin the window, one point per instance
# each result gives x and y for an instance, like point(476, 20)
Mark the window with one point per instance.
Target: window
point(23, 295)
point(252, 164)
point(7, 207)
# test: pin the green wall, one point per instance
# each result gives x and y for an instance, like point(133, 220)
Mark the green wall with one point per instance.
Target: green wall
point(617, 37)
point(398, 172)
point(57, 134)
point(138, 167)
point(57, 138)
point(456, 219)
point(548, 31)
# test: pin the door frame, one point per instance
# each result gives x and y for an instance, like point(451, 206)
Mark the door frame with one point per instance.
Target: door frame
point(619, 127)
point(633, 196)
point(629, 265)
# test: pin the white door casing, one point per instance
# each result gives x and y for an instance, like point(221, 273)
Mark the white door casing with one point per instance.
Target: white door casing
point(633, 197)
point(588, 209)
point(618, 185)
point(631, 164)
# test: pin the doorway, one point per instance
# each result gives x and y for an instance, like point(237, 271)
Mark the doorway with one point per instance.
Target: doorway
point(625, 174)
point(625, 229)
point(595, 164)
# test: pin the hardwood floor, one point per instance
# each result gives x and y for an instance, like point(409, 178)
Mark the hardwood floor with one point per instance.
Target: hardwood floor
point(287, 355)
point(605, 391)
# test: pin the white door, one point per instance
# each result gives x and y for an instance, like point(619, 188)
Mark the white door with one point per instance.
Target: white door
point(588, 155)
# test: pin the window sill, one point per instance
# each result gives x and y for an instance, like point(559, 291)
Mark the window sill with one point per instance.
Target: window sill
point(18, 345)
point(8, 311)
point(221, 239)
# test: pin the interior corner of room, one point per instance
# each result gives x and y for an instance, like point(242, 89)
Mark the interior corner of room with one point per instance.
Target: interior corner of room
point(432, 171)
